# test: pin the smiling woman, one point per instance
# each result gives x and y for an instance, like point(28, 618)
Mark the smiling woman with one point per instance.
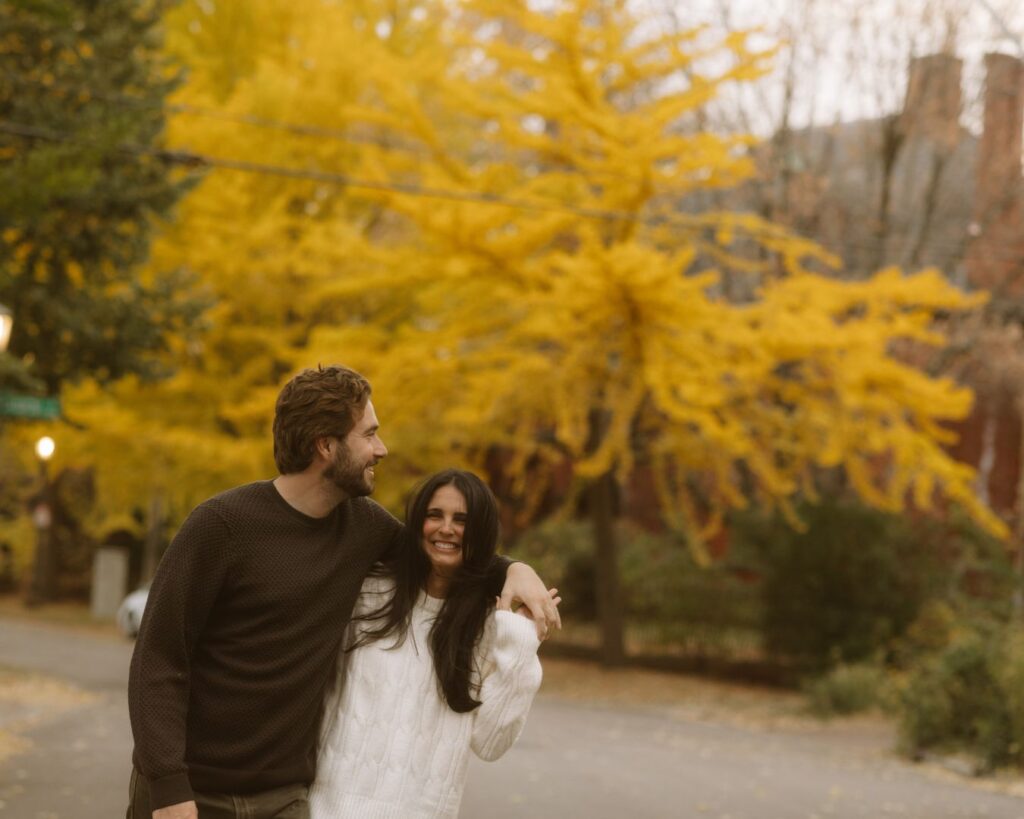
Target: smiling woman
point(443, 529)
point(400, 725)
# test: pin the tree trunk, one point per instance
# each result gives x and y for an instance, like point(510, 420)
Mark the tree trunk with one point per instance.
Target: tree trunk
point(892, 142)
point(610, 609)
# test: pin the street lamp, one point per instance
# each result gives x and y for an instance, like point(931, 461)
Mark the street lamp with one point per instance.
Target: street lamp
point(41, 589)
point(6, 324)
point(45, 447)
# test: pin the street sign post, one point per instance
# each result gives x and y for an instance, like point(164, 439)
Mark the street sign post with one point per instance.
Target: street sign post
point(15, 405)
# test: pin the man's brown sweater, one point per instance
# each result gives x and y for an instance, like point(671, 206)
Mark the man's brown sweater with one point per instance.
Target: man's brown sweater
point(240, 638)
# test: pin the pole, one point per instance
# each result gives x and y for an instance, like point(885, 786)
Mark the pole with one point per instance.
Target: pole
point(41, 588)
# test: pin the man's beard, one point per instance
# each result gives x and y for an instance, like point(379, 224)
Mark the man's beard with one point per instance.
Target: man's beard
point(349, 476)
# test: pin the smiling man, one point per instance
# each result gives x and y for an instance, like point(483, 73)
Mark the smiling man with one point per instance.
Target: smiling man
point(247, 610)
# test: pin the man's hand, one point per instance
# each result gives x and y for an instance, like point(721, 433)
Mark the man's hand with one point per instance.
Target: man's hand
point(523, 584)
point(522, 611)
point(183, 810)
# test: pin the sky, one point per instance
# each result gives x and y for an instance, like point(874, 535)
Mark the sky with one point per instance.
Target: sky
point(849, 57)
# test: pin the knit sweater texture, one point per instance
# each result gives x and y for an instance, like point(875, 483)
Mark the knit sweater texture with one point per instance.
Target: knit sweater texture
point(240, 640)
point(391, 747)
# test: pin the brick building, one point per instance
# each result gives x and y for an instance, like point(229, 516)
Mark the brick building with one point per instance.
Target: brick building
point(991, 439)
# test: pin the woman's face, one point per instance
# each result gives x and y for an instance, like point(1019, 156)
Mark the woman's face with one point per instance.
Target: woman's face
point(443, 528)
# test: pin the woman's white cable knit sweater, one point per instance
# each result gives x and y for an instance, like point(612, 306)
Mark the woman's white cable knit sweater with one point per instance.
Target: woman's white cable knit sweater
point(391, 748)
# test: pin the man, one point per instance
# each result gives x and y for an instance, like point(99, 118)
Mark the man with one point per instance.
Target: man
point(247, 610)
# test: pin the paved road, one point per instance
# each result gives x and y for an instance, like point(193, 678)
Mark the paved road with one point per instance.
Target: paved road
point(573, 761)
point(79, 759)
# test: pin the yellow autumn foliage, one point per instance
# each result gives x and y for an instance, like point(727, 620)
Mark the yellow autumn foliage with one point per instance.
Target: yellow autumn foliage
point(496, 214)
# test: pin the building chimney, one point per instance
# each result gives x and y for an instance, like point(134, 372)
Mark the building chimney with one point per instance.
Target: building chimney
point(997, 224)
point(932, 107)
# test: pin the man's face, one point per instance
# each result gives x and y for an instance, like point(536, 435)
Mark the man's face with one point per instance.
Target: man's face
point(351, 470)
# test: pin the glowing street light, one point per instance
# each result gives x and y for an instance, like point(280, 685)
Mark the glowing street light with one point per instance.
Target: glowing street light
point(45, 447)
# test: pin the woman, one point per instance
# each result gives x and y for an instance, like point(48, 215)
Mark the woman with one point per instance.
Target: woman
point(433, 669)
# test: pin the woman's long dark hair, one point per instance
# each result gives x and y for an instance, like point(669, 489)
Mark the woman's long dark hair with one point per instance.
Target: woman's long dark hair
point(471, 593)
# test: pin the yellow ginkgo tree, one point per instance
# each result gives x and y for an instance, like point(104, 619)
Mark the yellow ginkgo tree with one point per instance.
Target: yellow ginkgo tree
point(570, 308)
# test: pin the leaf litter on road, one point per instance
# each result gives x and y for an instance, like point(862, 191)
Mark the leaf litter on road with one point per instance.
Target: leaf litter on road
point(28, 700)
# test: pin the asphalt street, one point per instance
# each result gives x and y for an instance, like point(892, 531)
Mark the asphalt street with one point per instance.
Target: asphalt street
point(574, 760)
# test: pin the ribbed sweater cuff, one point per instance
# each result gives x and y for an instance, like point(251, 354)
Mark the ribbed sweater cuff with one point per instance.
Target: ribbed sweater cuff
point(515, 634)
point(170, 790)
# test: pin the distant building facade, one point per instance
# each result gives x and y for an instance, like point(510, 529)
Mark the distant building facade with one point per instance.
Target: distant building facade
point(916, 189)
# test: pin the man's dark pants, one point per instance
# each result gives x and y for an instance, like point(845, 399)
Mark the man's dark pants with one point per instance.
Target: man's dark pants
point(289, 802)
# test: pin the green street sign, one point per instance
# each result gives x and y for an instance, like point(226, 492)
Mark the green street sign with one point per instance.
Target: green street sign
point(13, 405)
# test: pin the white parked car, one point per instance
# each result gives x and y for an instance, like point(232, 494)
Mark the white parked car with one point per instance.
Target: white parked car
point(129, 616)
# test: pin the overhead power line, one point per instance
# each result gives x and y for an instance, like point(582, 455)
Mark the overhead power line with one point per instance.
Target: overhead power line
point(255, 120)
point(951, 247)
point(193, 159)
point(198, 160)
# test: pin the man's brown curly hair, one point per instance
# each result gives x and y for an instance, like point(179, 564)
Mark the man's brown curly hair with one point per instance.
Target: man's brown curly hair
point(320, 403)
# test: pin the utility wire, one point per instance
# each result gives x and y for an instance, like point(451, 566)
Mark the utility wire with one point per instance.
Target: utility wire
point(255, 120)
point(196, 160)
point(315, 131)
point(192, 159)
point(344, 136)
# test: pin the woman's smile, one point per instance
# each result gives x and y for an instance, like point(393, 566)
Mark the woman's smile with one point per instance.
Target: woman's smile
point(443, 529)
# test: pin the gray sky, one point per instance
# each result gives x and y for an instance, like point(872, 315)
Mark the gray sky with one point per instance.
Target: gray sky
point(849, 57)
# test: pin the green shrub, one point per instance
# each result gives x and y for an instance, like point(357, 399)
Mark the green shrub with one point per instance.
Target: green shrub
point(926, 711)
point(969, 697)
point(561, 551)
point(1010, 675)
point(932, 630)
point(666, 586)
point(854, 585)
point(844, 587)
point(667, 594)
point(849, 689)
